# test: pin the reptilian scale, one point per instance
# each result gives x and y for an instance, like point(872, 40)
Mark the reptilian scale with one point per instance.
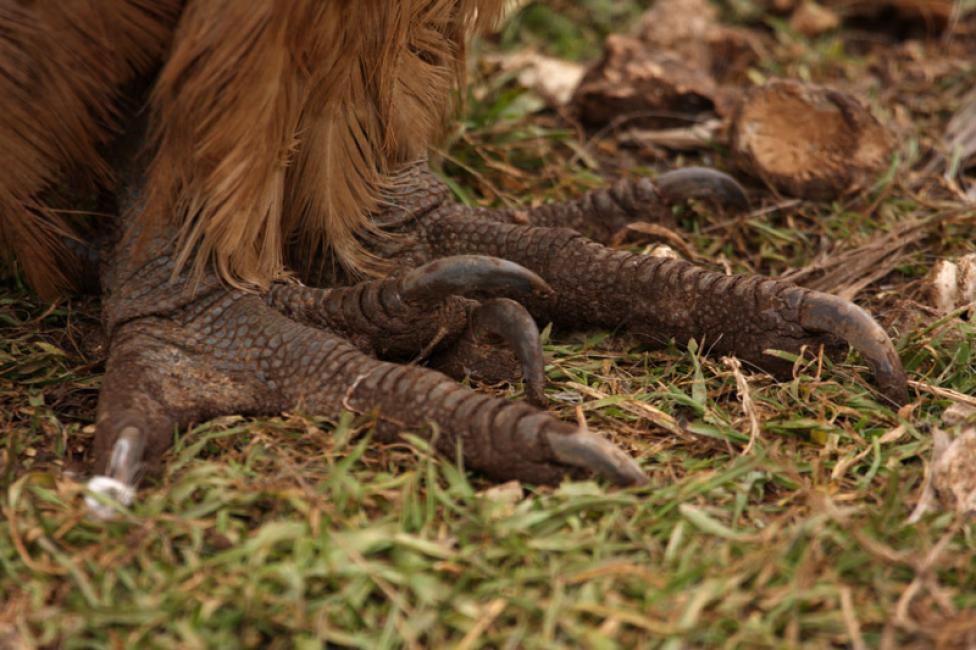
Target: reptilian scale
point(244, 145)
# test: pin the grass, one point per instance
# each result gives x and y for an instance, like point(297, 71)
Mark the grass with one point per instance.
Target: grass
point(301, 532)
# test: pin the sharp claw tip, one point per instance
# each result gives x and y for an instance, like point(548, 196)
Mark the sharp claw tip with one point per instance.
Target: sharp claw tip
point(634, 477)
point(704, 183)
point(597, 454)
point(109, 489)
point(468, 275)
point(828, 313)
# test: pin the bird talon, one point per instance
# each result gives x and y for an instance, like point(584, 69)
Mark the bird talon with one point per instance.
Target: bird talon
point(511, 322)
point(823, 312)
point(703, 184)
point(469, 275)
point(597, 454)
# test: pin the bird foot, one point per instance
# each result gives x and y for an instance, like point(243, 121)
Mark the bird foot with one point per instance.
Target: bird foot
point(189, 351)
point(466, 290)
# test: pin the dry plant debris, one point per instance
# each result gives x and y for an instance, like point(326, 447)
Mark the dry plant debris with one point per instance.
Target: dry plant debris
point(950, 480)
point(554, 80)
point(812, 19)
point(808, 141)
point(692, 30)
point(952, 285)
point(683, 64)
point(652, 88)
point(936, 14)
point(671, 71)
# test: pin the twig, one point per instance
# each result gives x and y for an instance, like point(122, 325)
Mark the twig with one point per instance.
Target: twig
point(742, 387)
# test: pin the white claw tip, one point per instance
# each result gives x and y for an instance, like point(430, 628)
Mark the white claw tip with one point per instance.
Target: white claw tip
point(111, 489)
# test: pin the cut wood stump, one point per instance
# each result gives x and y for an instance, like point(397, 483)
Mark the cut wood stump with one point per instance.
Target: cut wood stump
point(808, 141)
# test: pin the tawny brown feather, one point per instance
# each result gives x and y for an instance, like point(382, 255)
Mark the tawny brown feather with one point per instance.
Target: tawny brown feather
point(274, 121)
point(61, 67)
point(279, 121)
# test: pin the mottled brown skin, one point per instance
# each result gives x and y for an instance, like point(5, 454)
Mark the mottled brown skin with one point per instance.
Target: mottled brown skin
point(658, 299)
point(184, 351)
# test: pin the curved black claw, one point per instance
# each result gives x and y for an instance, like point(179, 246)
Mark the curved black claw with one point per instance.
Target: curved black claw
point(703, 184)
point(399, 316)
point(826, 313)
point(511, 322)
point(470, 276)
point(596, 454)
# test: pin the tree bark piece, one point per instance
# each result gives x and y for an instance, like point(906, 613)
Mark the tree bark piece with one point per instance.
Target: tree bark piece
point(656, 89)
point(692, 30)
point(670, 71)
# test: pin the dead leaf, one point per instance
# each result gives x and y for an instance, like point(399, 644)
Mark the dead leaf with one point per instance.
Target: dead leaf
point(812, 19)
point(554, 80)
point(648, 87)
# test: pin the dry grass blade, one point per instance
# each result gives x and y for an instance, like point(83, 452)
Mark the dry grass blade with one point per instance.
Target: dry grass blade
point(656, 232)
point(850, 620)
point(847, 273)
point(636, 407)
point(691, 138)
point(742, 386)
point(947, 393)
point(492, 611)
point(960, 136)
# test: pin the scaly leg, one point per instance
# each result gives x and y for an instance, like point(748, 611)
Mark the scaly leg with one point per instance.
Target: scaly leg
point(657, 299)
point(184, 351)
